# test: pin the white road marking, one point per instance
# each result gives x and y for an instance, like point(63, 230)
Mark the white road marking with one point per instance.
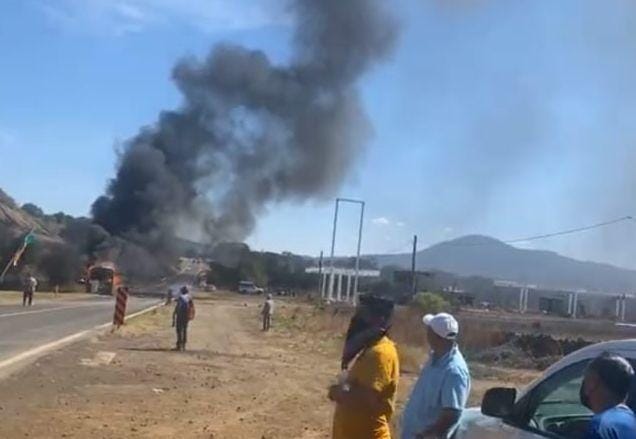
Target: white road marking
point(37, 351)
point(42, 349)
point(59, 308)
point(131, 316)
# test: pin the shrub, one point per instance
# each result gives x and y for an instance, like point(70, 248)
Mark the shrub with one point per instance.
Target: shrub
point(430, 303)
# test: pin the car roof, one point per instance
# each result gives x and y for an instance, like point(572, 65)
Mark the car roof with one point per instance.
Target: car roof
point(625, 348)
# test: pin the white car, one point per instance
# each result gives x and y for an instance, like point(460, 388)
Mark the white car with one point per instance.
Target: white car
point(548, 407)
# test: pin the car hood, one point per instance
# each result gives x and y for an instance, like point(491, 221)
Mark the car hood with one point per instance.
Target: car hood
point(474, 425)
point(473, 417)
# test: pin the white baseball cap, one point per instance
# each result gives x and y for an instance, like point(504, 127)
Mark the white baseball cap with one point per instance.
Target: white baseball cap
point(442, 324)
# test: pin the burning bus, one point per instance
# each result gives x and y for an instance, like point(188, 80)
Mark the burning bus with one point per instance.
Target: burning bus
point(101, 278)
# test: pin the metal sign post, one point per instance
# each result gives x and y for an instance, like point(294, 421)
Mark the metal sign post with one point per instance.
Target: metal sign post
point(333, 244)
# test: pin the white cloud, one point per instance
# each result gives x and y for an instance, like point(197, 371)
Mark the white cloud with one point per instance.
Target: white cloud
point(381, 221)
point(447, 231)
point(400, 224)
point(119, 17)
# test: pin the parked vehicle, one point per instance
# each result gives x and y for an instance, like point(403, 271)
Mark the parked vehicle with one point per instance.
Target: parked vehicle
point(548, 407)
point(249, 287)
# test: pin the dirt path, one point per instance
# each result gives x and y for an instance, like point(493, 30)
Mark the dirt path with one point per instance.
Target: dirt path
point(234, 382)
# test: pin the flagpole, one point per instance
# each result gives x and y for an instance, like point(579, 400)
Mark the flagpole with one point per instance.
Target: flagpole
point(16, 256)
point(6, 269)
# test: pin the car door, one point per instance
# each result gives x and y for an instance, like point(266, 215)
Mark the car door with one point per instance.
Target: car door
point(476, 426)
point(553, 408)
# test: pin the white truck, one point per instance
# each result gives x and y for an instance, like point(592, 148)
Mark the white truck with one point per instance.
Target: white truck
point(549, 407)
point(249, 287)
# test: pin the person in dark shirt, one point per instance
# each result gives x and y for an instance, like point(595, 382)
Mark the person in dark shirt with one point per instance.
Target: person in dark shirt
point(183, 313)
point(604, 390)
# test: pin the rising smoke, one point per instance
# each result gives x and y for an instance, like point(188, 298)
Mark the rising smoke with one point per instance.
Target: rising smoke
point(250, 132)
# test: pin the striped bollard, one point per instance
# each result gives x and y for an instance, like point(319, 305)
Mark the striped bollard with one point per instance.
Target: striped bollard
point(120, 307)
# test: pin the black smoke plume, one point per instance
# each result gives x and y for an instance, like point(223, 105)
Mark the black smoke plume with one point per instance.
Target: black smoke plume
point(250, 132)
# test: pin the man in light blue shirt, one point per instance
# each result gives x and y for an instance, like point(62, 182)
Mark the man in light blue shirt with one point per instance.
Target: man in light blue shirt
point(440, 394)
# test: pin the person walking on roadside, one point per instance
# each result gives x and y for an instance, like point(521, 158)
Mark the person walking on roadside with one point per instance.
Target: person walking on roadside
point(604, 390)
point(267, 311)
point(365, 394)
point(30, 284)
point(183, 313)
point(441, 391)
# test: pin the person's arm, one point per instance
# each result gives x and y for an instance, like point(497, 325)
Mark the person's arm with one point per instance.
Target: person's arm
point(455, 389)
point(361, 397)
point(445, 421)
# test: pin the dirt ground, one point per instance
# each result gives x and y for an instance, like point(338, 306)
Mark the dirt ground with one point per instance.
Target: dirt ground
point(233, 382)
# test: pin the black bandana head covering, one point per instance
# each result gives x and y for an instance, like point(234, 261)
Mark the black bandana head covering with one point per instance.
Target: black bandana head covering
point(362, 333)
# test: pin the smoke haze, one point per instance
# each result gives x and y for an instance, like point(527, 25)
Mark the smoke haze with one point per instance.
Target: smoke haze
point(249, 132)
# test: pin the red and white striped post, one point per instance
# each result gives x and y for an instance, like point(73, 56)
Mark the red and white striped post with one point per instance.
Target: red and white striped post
point(120, 307)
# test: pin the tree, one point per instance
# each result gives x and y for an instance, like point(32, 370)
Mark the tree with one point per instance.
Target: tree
point(33, 210)
point(253, 268)
point(430, 303)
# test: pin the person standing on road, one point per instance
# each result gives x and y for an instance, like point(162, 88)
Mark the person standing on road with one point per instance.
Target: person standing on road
point(604, 390)
point(267, 311)
point(365, 394)
point(440, 393)
point(183, 313)
point(30, 284)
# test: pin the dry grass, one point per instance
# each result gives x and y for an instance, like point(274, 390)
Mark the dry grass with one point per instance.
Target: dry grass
point(324, 328)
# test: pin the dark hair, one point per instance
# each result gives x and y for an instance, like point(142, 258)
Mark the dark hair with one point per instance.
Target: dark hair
point(615, 373)
point(184, 290)
point(378, 306)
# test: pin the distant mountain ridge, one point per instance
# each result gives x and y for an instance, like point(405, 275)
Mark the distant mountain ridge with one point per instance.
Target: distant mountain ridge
point(477, 255)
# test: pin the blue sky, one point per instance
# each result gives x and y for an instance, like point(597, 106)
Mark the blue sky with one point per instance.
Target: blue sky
point(502, 117)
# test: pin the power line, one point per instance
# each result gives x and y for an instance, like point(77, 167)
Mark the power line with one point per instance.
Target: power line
point(529, 238)
point(546, 235)
point(570, 231)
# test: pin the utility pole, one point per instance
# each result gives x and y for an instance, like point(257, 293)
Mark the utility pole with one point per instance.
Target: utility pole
point(413, 275)
point(333, 246)
point(355, 284)
point(320, 286)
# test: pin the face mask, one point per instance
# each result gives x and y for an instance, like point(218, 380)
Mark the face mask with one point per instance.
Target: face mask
point(585, 400)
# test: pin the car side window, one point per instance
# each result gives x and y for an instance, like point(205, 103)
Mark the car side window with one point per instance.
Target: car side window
point(555, 406)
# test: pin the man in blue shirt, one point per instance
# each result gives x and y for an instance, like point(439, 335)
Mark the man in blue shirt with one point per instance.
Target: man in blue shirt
point(604, 390)
point(441, 391)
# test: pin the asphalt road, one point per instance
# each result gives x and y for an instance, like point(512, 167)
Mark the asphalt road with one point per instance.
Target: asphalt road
point(23, 328)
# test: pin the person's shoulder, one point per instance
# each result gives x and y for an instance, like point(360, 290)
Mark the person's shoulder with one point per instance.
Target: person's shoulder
point(619, 418)
point(385, 347)
point(458, 369)
point(621, 414)
point(458, 363)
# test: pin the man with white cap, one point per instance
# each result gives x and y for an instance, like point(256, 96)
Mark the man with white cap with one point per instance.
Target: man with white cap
point(441, 391)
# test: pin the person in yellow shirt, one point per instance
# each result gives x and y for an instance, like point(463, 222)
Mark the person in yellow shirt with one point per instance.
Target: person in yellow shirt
point(365, 395)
